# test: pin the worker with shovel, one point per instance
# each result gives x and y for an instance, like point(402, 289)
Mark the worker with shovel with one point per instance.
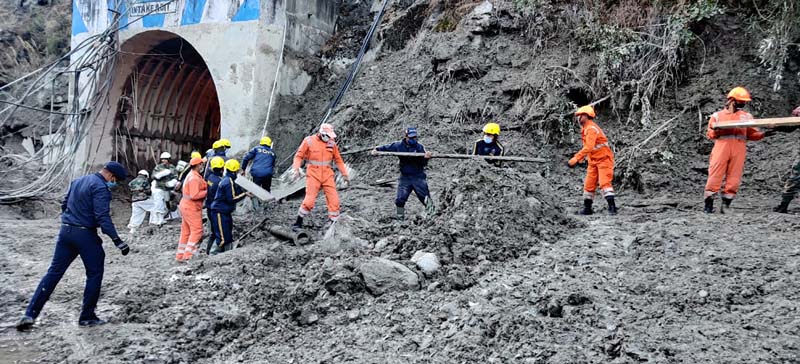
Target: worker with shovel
point(217, 165)
point(225, 199)
point(319, 152)
point(601, 161)
point(412, 172)
point(263, 159)
point(792, 186)
point(85, 209)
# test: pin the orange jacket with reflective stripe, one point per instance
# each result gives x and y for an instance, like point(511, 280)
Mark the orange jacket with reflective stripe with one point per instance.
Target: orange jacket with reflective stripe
point(595, 143)
point(723, 117)
point(319, 154)
point(194, 189)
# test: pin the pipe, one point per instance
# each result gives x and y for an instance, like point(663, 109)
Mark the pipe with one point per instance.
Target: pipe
point(296, 238)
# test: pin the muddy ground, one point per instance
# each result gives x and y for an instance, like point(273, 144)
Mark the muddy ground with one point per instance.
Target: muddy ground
point(522, 279)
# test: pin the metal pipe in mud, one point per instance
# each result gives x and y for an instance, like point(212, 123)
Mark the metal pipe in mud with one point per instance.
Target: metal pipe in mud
point(296, 238)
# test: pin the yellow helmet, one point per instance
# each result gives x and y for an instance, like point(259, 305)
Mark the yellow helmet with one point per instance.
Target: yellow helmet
point(225, 142)
point(217, 162)
point(586, 110)
point(739, 94)
point(492, 129)
point(217, 144)
point(197, 154)
point(232, 165)
point(266, 141)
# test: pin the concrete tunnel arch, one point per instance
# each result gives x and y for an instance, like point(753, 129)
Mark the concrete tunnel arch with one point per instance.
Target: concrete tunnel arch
point(168, 100)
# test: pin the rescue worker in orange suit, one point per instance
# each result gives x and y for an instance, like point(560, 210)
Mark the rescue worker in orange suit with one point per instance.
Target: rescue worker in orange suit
point(194, 193)
point(730, 149)
point(601, 162)
point(225, 200)
point(319, 151)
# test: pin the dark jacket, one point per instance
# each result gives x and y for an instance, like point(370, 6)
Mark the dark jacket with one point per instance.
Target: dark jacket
point(409, 166)
point(263, 161)
point(227, 195)
point(213, 181)
point(87, 204)
point(493, 148)
point(211, 154)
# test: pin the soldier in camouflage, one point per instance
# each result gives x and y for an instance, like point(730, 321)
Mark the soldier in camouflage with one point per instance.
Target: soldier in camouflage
point(792, 186)
point(140, 201)
point(165, 181)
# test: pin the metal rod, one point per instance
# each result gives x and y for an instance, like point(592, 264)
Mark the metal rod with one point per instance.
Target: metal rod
point(463, 156)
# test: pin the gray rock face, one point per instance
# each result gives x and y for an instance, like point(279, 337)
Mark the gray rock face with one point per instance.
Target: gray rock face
point(383, 275)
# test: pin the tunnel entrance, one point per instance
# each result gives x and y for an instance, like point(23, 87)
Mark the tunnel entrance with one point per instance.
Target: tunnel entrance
point(168, 101)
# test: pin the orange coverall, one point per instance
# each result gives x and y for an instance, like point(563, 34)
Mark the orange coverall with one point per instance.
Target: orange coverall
point(728, 156)
point(319, 156)
point(601, 161)
point(191, 206)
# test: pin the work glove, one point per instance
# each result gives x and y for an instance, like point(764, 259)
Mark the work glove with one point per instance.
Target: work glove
point(571, 163)
point(122, 246)
point(796, 112)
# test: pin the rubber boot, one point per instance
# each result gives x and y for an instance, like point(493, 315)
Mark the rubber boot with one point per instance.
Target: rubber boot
point(587, 208)
point(726, 204)
point(401, 213)
point(709, 207)
point(26, 322)
point(612, 205)
point(430, 208)
point(784, 206)
point(298, 224)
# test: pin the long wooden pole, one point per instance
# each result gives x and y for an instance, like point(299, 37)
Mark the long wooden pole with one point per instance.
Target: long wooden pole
point(760, 123)
point(464, 156)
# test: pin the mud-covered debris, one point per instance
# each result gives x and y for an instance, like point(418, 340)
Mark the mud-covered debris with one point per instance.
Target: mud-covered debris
point(383, 275)
point(428, 263)
point(459, 278)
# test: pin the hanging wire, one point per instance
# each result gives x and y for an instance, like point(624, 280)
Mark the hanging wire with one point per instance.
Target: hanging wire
point(44, 173)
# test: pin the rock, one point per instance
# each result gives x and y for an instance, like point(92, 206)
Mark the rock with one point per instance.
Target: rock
point(703, 293)
point(381, 244)
point(428, 263)
point(383, 275)
point(353, 315)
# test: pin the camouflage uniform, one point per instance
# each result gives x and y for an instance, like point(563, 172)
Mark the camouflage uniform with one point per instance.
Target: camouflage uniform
point(792, 186)
point(162, 183)
point(140, 189)
point(140, 203)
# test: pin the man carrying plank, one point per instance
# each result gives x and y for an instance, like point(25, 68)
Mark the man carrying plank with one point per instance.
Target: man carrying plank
point(412, 172)
point(730, 149)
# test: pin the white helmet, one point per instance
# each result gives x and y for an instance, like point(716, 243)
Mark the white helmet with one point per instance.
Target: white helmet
point(166, 155)
point(144, 173)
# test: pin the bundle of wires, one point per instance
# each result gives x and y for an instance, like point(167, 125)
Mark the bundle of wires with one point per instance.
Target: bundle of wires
point(45, 172)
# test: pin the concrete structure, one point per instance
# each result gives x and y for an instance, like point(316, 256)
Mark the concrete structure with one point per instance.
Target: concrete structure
point(192, 71)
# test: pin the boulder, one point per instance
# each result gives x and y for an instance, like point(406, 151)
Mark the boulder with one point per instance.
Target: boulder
point(383, 275)
point(428, 263)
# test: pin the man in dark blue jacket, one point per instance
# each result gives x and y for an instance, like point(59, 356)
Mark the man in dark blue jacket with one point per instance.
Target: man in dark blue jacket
point(85, 208)
point(263, 163)
point(218, 149)
point(412, 172)
point(213, 180)
point(225, 199)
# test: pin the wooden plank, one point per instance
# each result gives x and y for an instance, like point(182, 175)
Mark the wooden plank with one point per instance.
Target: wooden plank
point(255, 189)
point(463, 156)
point(761, 123)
